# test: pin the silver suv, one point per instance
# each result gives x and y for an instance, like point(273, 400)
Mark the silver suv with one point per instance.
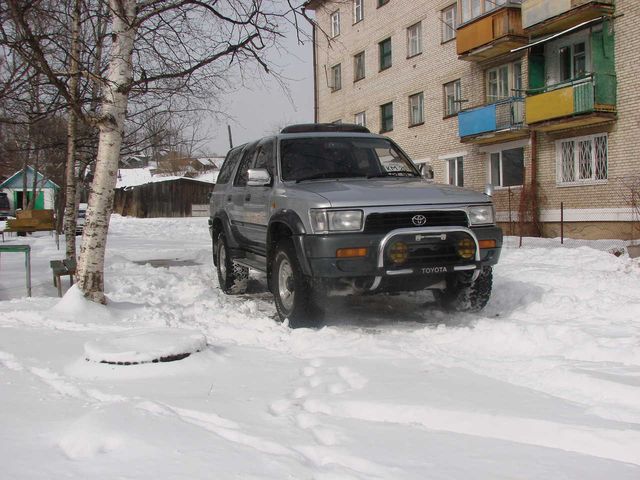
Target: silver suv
point(333, 210)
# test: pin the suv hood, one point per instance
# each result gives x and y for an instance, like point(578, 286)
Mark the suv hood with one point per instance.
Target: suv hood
point(389, 192)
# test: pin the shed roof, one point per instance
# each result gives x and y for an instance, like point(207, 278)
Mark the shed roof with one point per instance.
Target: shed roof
point(15, 180)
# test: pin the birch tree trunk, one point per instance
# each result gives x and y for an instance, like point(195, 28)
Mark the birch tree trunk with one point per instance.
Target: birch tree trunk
point(71, 205)
point(114, 107)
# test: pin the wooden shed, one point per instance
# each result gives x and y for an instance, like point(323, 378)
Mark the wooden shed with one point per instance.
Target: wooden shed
point(171, 197)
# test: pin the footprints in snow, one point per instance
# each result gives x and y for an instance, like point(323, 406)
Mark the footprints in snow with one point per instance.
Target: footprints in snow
point(303, 406)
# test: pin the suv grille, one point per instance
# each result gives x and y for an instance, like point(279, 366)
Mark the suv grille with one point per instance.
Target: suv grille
point(385, 222)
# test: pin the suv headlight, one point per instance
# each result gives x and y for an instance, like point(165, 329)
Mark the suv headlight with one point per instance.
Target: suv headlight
point(326, 221)
point(481, 215)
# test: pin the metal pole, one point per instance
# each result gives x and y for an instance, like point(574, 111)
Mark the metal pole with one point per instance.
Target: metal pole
point(562, 223)
point(230, 139)
point(27, 263)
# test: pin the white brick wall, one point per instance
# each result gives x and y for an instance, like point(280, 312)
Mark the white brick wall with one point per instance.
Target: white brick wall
point(437, 65)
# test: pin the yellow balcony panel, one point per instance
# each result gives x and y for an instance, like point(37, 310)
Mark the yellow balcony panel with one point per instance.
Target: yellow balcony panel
point(543, 17)
point(550, 105)
point(490, 35)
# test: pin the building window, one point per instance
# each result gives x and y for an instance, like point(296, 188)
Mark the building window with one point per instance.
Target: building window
point(504, 82)
point(360, 119)
point(455, 171)
point(449, 20)
point(416, 109)
point(506, 168)
point(386, 117)
point(335, 23)
point(358, 67)
point(358, 10)
point(382, 2)
point(336, 77)
point(452, 98)
point(384, 48)
point(474, 8)
point(573, 61)
point(582, 159)
point(414, 39)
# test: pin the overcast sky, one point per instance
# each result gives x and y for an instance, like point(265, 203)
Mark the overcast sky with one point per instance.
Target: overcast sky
point(263, 108)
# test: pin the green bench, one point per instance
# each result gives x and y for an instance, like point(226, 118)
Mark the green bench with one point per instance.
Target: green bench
point(61, 268)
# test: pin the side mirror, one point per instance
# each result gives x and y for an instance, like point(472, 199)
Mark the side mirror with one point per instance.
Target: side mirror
point(258, 177)
point(426, 171)
point(488, 190)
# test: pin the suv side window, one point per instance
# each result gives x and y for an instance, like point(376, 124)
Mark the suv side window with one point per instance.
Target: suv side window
point(229, 165)
point(265, 156)
point(245, 164)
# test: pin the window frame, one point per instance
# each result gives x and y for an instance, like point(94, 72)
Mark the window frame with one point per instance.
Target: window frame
point(477, 8)
point(457, 97)
point(512, 82)
point(417, 38)
point(364, 118)
point(384, 119)
point(500, 153)
point(420, 97)
point(577, 181)
point(382, 56)
point(446, 26)
point(458, 176)
point(334, 21)
point(358, 11)
point(336, 74)
point(356, 77)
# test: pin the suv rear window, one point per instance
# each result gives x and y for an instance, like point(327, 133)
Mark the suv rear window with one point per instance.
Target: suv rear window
point(229, 165)
point(339, 157)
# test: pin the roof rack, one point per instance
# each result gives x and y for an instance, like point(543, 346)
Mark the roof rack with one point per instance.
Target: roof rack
point(325, 127)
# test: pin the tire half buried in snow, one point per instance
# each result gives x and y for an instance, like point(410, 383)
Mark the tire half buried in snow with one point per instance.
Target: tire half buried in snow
point(138, 346)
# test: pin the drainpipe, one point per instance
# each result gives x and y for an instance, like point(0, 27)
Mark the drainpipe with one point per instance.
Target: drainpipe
point(534, 181)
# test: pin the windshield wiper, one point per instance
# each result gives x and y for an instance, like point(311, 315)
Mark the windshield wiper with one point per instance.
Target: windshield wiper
point(319, 176)
point(395, 173)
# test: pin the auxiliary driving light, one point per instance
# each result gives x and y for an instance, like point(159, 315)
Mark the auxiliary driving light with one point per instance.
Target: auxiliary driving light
point(466, 248)
point(398, 253)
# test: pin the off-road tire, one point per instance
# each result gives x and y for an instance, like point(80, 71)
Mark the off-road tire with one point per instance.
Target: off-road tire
point(291, 289)
point(461, 296)
point(232, 278)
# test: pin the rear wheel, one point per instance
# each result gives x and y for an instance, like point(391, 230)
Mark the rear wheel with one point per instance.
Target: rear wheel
point(461, 295)
point(232, 278)
point(291, 290)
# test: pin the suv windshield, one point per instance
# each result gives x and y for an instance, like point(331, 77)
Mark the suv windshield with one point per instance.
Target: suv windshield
point(341, 157)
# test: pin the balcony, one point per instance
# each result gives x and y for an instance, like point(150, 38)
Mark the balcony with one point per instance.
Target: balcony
point(589, 100)
point(490, 35)
point(498, 122)
point(552, 16)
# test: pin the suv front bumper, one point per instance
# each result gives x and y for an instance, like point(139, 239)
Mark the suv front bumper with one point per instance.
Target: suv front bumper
point(320, 260)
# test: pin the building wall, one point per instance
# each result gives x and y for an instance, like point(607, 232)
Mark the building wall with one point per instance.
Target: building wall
point(438, 137)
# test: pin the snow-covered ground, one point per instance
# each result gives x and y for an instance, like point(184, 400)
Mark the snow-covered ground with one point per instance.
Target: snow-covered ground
point(545, 383)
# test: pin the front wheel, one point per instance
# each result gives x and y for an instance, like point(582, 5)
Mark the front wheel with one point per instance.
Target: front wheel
point(232, 278)
point(291, 290)
point(462, 296)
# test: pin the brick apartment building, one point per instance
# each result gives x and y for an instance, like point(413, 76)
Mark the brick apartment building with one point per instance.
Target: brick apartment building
point(537, 97)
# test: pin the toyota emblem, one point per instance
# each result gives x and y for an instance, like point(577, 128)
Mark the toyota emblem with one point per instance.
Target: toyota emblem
point(419, 220)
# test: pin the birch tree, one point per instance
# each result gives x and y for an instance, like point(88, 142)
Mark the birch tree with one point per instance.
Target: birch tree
point(188, 49)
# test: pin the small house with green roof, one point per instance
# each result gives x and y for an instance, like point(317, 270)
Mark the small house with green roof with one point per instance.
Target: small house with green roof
point(46, 189)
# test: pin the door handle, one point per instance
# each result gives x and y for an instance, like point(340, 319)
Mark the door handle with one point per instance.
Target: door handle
point(247, 197)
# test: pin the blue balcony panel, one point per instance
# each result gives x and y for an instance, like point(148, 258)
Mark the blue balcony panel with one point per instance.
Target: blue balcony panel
point(477, 120)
